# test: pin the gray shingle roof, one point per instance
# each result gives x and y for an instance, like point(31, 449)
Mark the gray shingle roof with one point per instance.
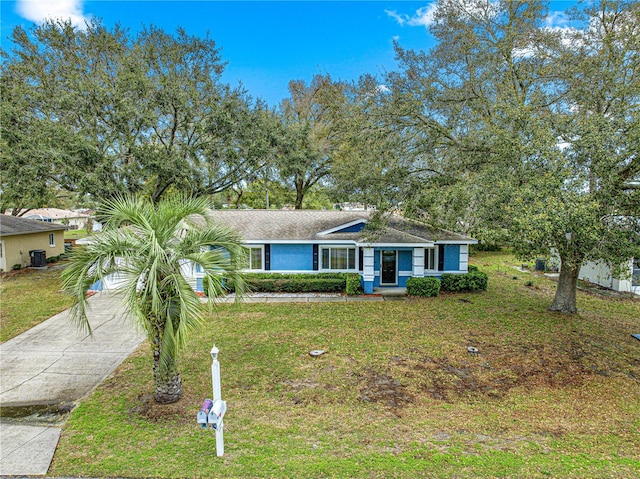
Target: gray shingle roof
point(13, 225)
point(306, 225)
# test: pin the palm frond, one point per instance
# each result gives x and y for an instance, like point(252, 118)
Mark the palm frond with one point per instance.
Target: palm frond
point(148, 245)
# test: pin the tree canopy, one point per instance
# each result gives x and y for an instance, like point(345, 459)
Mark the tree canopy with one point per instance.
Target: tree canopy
point(527, 133)
point(110, 112)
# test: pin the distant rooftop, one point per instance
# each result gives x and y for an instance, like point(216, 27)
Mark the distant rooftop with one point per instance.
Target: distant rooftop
point(13, 225)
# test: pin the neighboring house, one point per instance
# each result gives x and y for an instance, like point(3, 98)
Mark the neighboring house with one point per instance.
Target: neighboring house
point(602, 274)
point(19, 236)
point(308, 241)
point(73, 219)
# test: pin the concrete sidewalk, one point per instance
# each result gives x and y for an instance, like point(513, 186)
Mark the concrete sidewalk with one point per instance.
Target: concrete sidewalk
point(54, 364)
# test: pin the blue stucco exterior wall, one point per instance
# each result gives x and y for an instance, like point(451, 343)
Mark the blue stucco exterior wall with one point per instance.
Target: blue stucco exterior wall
point(452, 257)
point(291, 257)
point(405, 260)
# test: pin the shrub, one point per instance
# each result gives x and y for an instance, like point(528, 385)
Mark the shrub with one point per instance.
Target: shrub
point(353, 286)
point(293, 283)
point(16, 267)
point(472, 281)
point(423, 287)
point(473, 268)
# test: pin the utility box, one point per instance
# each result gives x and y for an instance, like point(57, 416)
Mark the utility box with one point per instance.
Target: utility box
point(541, 265)
point(38, 258)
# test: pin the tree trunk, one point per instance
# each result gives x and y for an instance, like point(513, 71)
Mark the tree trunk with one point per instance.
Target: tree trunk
point(299, 194)
point(168, 382)
point(565, 298)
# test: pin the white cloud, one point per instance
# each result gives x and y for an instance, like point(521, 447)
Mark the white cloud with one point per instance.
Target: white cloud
point(423, 17)
point(40, 10)
point(400, 18)
point(557, 20)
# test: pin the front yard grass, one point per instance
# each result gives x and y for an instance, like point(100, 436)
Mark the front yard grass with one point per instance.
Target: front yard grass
point(28, 297)
point(75, 234)
point(396, 394)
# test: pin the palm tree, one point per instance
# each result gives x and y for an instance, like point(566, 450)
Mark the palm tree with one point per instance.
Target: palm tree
point(149, 246)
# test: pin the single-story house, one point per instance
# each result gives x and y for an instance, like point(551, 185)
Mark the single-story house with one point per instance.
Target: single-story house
point(20, 236)
point(601, 273)
point(309, 241)
point(73, 219)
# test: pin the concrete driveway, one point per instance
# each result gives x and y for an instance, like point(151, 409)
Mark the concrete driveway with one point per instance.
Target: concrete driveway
point(53, 364)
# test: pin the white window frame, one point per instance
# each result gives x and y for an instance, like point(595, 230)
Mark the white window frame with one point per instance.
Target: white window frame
point(350, 250)
point(430, 256)
point(249, 258)
point(52, 240)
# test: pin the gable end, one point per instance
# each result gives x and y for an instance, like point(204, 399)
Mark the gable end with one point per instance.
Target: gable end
point(352, 227)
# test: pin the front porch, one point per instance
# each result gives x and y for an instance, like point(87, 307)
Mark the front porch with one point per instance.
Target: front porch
point(391, 293)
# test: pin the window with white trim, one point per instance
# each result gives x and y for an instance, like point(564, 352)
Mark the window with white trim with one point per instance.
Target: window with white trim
point(430, 258)
point(52, 239)
point(255, 257)
point(339, 258)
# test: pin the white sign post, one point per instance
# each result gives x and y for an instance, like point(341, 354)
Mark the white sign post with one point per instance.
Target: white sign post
point(216, 414)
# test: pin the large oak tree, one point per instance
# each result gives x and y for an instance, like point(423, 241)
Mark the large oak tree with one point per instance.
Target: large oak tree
point(535, 128)
point(115, 112)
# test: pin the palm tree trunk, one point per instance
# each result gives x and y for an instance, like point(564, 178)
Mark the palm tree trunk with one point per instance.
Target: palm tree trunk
point(167, 381)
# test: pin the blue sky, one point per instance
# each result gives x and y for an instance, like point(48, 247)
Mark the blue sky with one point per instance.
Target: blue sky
point(265, 43)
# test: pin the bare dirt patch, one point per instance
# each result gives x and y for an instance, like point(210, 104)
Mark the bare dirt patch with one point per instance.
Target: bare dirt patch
point(491, 375)
point(384, 389)
point(181, 412)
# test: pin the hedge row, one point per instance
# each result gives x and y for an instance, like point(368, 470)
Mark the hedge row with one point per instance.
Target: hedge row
point(294, 283)
point(258, 276)
point(474, 280)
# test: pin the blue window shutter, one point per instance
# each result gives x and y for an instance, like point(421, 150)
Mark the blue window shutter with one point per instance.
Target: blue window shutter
point(267, 257)
point(315, 257)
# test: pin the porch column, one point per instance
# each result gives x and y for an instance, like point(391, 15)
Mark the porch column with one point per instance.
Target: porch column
point(418, 263)
point(368, 274)
point(464, 257)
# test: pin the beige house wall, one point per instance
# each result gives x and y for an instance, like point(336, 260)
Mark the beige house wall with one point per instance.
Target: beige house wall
point(16, 248)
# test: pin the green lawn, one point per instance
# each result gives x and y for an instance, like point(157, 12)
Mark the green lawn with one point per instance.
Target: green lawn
point(75, 234)
point(28, 297)
point(396, 394)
